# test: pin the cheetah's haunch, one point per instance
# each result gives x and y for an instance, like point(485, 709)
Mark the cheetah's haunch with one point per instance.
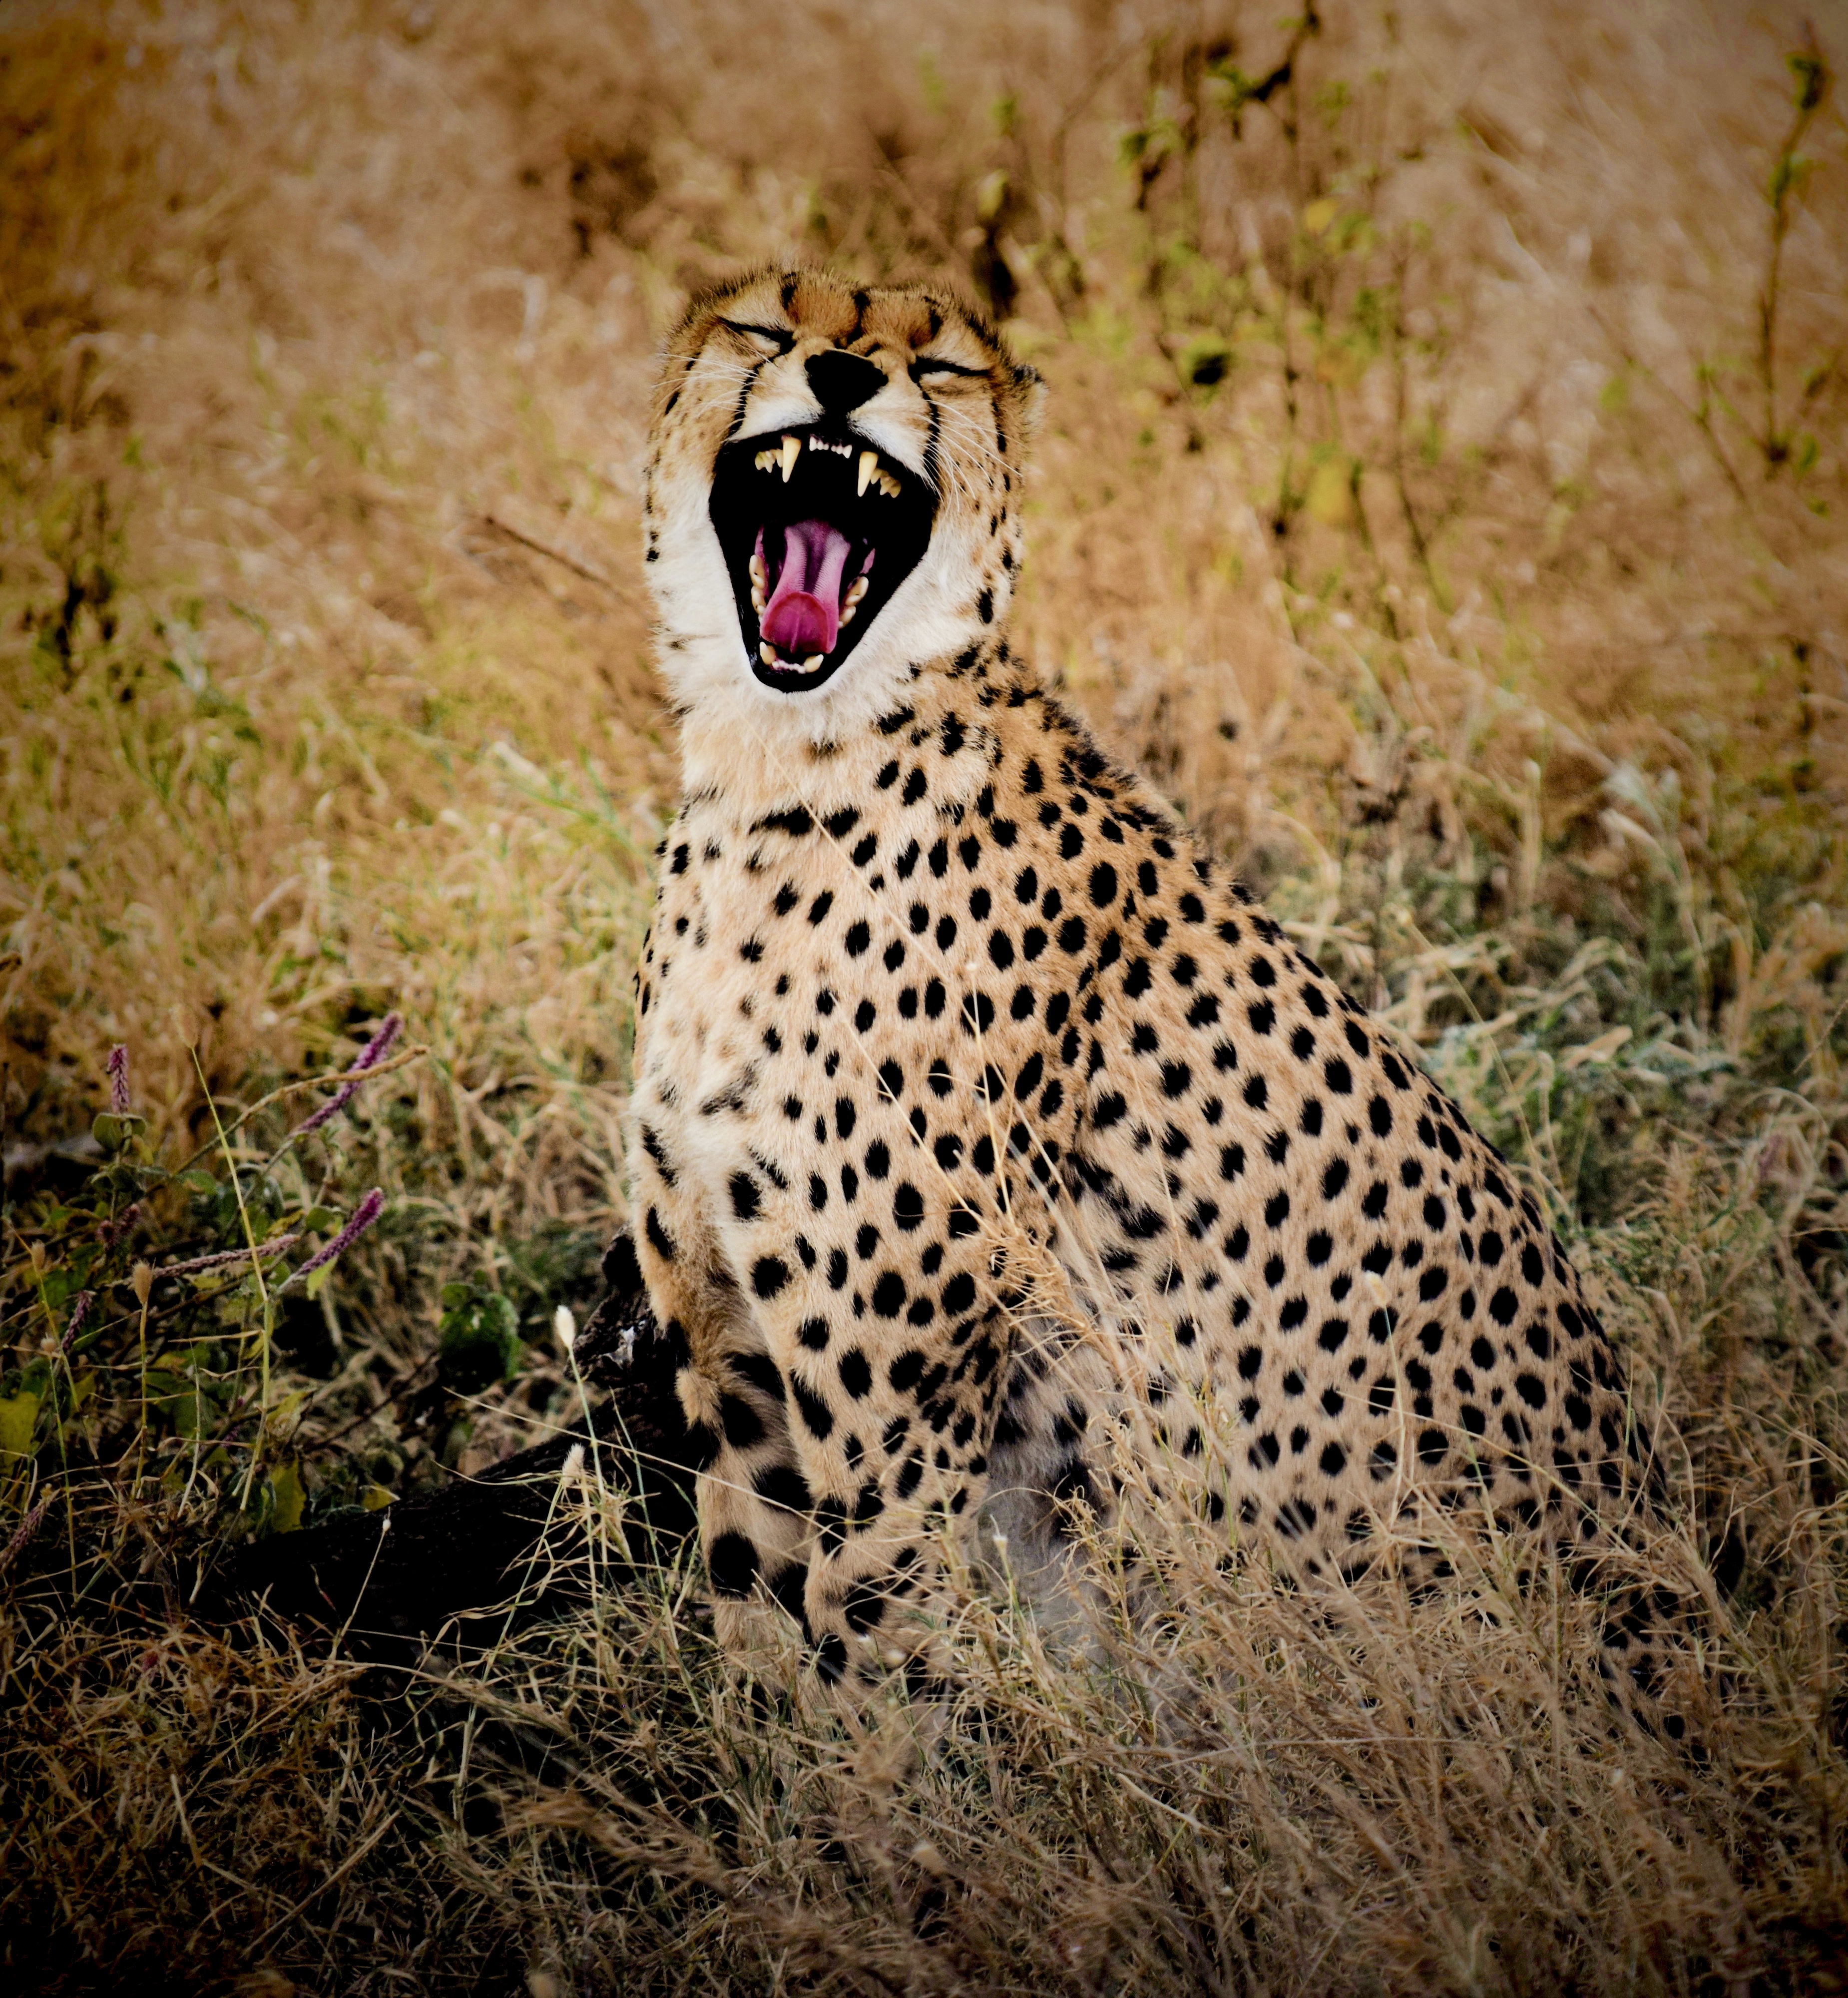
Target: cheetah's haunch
point(983, 1129)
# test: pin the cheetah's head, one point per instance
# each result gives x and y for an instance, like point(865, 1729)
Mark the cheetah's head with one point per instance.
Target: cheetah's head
point(833, 490)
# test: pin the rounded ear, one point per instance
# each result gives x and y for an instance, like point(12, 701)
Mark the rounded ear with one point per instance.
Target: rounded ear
point(1031, 386)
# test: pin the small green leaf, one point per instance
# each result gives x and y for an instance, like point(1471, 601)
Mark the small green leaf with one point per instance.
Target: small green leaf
point(290, 1496)
point(18, 1419)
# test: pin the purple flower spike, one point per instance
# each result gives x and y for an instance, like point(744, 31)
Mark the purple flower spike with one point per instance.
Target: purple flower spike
point(224, 1258)
point(79, 1311)
point(370, 1056)
point(117, 1068)
point(364, 1215)
point(28, 1526)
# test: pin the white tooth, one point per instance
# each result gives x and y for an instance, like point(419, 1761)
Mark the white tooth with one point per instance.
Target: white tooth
point(889, 486)
point(766, 461)
point(791, 450)
point(813, 661)
point(855, 591)
point(847, 614)
point(768, 654)
point(870, 464)
point(758, 599)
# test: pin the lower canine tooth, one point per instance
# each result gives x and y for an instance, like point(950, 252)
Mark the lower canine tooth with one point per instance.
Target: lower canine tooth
point(791, 450)
point(768, 654)
point(813, 661)
point(870, 464)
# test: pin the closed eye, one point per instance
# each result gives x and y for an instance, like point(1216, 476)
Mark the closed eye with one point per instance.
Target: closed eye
point(774, 339)
point(921, 369)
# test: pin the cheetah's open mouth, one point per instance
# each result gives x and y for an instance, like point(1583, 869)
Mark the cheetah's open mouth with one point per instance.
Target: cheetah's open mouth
point(818, 530)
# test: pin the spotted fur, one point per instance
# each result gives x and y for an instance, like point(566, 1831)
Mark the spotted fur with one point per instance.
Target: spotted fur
point(982, 1122)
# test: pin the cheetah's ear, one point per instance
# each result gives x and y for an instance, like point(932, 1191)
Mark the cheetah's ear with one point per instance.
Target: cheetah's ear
point(1030, 384)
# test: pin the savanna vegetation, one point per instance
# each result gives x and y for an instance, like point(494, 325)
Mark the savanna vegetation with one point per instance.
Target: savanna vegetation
point(1442, 494)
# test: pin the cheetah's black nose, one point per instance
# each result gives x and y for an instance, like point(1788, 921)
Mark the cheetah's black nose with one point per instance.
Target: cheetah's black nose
point(843, 382)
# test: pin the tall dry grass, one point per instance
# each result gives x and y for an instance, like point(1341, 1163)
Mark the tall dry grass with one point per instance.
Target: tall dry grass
point(1441, 494)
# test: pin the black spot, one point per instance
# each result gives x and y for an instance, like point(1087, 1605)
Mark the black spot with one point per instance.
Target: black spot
point(784, 1486)
point(817, 1417)
point(739, 1420)
point(978, 1012)
point(1104, 884)
point(732, 1563)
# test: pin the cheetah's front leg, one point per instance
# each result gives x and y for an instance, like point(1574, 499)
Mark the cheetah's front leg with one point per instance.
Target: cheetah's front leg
point(892, 1436)
point(753, 1503)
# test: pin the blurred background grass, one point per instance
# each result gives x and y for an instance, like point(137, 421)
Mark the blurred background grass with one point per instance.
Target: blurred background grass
point(1442, 496)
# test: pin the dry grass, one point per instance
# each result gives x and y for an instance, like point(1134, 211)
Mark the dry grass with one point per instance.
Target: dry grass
point(1441, 495)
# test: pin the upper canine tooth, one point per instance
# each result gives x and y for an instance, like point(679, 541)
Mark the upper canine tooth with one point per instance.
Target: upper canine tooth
point(870, 464)
point(791, 450)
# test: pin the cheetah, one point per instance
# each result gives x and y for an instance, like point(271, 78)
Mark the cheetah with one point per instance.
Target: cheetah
point(980, 1117)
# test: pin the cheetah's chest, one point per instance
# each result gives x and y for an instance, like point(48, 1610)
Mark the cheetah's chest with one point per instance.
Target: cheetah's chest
point(709, 1070)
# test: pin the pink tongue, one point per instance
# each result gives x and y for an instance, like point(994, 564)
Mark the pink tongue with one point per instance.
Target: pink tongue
point(804, 615)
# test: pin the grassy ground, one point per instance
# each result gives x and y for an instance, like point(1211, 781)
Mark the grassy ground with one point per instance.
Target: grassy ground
point(1441, 495)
